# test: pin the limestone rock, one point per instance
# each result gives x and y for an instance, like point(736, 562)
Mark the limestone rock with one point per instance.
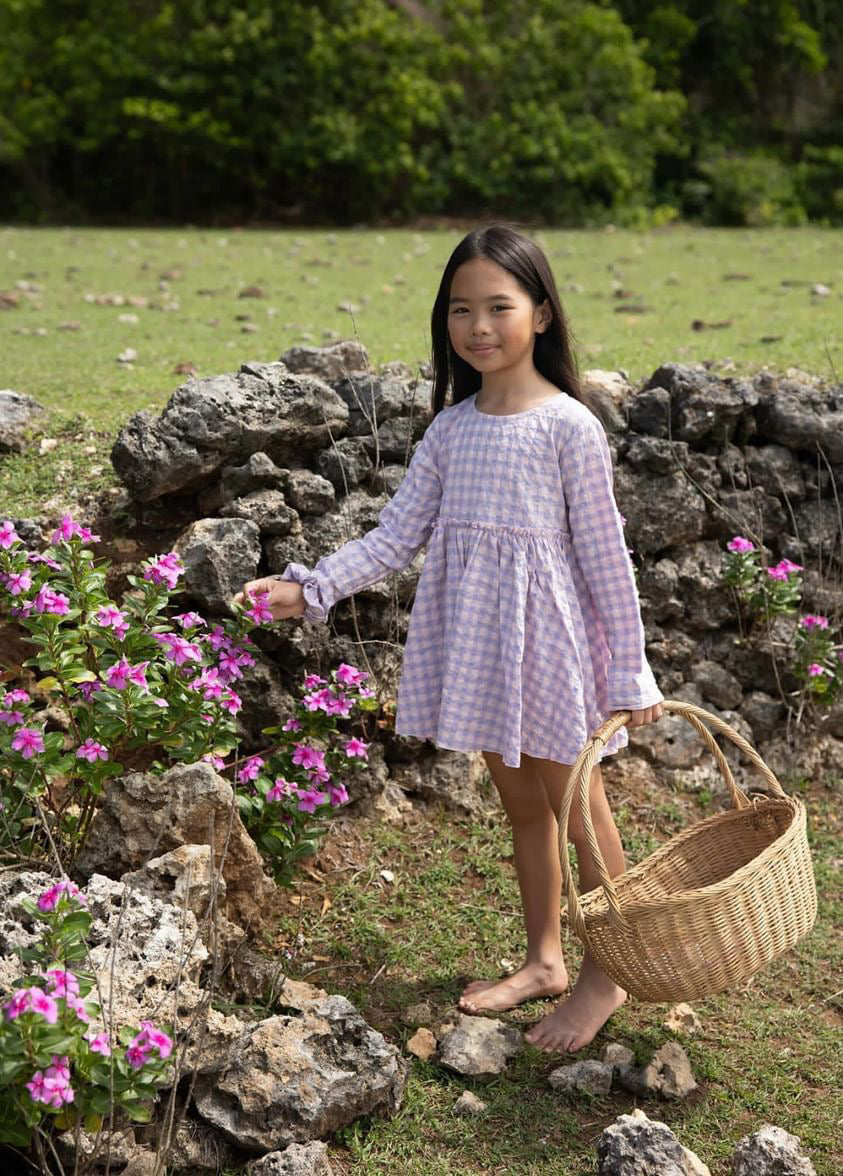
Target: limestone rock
point(803, 417)
point(615, 1054)
point(18, 414)
point(329, 363)
point(607, 394)
point(346, 464)
point(219, 421)
point(373, 400)
point(395, 439)
point(667, 1075)
point(637, 1146)
point(418, 1014)
point(590, 1075)
point(682, 1019)
point(455, 779)
point(220, 556)
point(661, 512)
point(266, 509)
point(468, 1105)
point(704, 407)
point(479, 1047)
point(289, 1079)
point(298, 1159)
point(422, 1044)
point(649, 412)
point(309, 493)
point(717, 684)
point(145, 815)
point(771, 1151)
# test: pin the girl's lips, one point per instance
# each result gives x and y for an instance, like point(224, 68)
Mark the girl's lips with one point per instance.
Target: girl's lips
point(491, 347)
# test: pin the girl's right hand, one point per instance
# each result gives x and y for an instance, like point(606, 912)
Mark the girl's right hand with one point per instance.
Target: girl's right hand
point(285, 598)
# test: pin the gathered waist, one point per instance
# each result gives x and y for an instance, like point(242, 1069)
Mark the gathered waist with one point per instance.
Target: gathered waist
point(505, 529)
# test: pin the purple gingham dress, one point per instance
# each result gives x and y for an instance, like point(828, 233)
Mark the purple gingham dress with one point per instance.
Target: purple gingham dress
point(525, 633)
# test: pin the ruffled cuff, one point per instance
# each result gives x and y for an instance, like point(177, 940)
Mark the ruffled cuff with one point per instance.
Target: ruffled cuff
point(631, 691)
point(316, 608)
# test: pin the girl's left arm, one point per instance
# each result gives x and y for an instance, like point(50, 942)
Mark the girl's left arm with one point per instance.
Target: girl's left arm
point(599, 545)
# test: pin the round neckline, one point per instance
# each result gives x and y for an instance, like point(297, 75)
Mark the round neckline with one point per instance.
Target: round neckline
point(506, 416)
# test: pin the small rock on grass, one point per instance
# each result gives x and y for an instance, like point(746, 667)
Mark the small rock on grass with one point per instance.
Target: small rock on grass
point(682, 1019)
point(298, 1159)
point(479, 1047)
point(667, 1075)
point(422, 1044)
point(771, 1151)
point(637, 1146)
point(418, 1014)
point(469, 1105)
point(590, 1075)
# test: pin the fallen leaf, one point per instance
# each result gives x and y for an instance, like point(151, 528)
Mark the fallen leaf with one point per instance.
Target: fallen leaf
point(387, 876)
point(326, 905)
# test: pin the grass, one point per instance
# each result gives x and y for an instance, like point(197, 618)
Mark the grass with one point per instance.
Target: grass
point(769, 1053)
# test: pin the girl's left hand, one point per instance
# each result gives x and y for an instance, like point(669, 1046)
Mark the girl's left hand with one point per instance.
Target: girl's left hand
point(640, 718)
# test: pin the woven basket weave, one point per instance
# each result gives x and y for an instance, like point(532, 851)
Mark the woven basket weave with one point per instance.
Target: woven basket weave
point(709, 907)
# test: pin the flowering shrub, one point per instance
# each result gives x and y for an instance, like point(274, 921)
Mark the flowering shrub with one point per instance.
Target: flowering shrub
point(817, 660)
point(59, 1064)
point(141, 688)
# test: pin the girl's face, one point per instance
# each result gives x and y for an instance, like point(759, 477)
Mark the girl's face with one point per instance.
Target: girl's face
point(492, 320)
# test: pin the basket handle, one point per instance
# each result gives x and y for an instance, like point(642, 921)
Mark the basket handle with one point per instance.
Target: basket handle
point(579, 782)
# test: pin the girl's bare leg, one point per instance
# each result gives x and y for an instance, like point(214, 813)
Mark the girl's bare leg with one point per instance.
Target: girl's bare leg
point(575, 1021)
point(534, 837)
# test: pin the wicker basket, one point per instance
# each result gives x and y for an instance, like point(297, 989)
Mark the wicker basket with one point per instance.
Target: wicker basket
point(711, 906)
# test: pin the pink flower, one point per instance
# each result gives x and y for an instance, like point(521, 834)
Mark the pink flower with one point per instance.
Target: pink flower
point(88, 689)
point(216, 761)
point(814, 621)
point(350, 675)
point(259, 611)
point(292, 725)
point(48, 601)
point(68, 529)
point(37, 1088)
point(308, 757)
point(815, 670)
point(740, 545)
point(61, 983)
point(190, 620)
point(11, 718)
point(338, 795)
point(178, 649)
point(319, 776)
point(164, 569)
point(231, 702)
point(309, 798)
point(98, 1043)
point(279, 789)
point(366, 693)
point(339, 705)
point(32, 1000)
point(13, 696)
point(117, 676)
point(28, 742)
point(783, 569)
point(250, 769)
point(136, 1055)
point(317, 700)
point(19, 582)
point(78, 1007)
point(8, 534)
point(157, 1038)
point(313, 680)
point(49, 900)
point(356, 747)
point(109, 616)
point(91, 751)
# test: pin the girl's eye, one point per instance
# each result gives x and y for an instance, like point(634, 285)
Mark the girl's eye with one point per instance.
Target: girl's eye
point(499, 307)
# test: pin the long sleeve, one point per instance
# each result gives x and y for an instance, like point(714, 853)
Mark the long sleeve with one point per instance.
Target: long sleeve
point(404, 527)
point(599, 546)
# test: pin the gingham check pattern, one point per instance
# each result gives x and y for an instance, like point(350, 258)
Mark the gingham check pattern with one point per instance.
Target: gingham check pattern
point(525, 632)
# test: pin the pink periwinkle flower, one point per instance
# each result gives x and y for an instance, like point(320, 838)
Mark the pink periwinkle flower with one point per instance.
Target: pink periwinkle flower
point(88, 689)
point(32, 1000)
point(164, 569)
point(783, 569)
point(319, 776)
point(50, 602)
point(69, 529)
point(740, 545)
point(178, 649)
point(815, 670)
point(217, 638)
point(350, 675)
point(216, 761)
point(308, 757)
point(137, 1055)
point(61, 983)
point(109, 616)
point(318, 700)
point(145, 1042)
point(19, 582)
point(11, 718)
point(814, 621)
point(190, 620)
point(13, 696)
point(49, 900)
point(91, 751)
point(356, 747)
point(77, 1006)
point(28, 742)
point(8, 534)
point(338, 795)
point(98, 1042)
point(259, 610)
point(338, 705)
point(117, 676)
point(367, 692)
point(313, 680)
point(250, 769)
point(279, 789)
point(231, 701)
point(309, 799)
point(292, 725)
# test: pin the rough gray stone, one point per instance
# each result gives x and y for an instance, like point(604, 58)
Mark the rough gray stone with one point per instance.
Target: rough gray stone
point(18, 414)
point(220, 556)
point(211, 423)
point(258, 472)
point(704, 407)
point(266, 509)
point(803, 417)
point(763, 713)
point(656, 454)
point(771, 1151)
point(455, 779)
point(649, 412)
point(309, 493)
point(468, 1105)
point(615, 1054)
point(661, 512)
point(298, 1159)
point(387, 478)
point(292, 1078)
point(777, 470)
point(671, 742)
point(608, 395)
point(658, 584)
point(373, 400)
point(591, 1076)
point(668, 1073)
point(708, 605)
point(479, 1047)
point(637, 1146)
point(717, 684)
point(395, 440)
point(346, 464)
point(329, 363)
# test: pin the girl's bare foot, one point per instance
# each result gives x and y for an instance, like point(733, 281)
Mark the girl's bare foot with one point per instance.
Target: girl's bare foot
point(575, 1021)
point(528, 983)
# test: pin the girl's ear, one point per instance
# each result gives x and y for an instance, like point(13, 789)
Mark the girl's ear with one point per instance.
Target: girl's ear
point(543, 317)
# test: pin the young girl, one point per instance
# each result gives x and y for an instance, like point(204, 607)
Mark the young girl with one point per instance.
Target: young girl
point(525, 633)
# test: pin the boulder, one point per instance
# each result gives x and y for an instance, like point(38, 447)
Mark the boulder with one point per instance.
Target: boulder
point(799, 416)
point(266, 509)
point(298, 1159)
point(703, 407)
point(649, 412)
point(479, 1047)
point(346, 464)
point(293, 1078)
point(395, 441)
point(468, 1105)
point(333, 362)
point(661, 512)
point(591, 1076)
point(717, 684)
point(221, 421)
point(373, 400)
point(145, 815)
point(771, 1151)
point(608, 395)
point(308, 493)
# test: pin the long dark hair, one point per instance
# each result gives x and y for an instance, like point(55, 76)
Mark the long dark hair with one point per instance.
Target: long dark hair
point(521, 257)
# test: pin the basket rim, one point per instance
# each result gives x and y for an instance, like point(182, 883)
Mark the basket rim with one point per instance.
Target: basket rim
point(797, 828)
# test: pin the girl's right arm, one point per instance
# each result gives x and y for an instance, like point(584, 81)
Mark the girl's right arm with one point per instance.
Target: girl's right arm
point(404, 526)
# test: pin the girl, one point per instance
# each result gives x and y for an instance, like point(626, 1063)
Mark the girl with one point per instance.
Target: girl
point(525, 633)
